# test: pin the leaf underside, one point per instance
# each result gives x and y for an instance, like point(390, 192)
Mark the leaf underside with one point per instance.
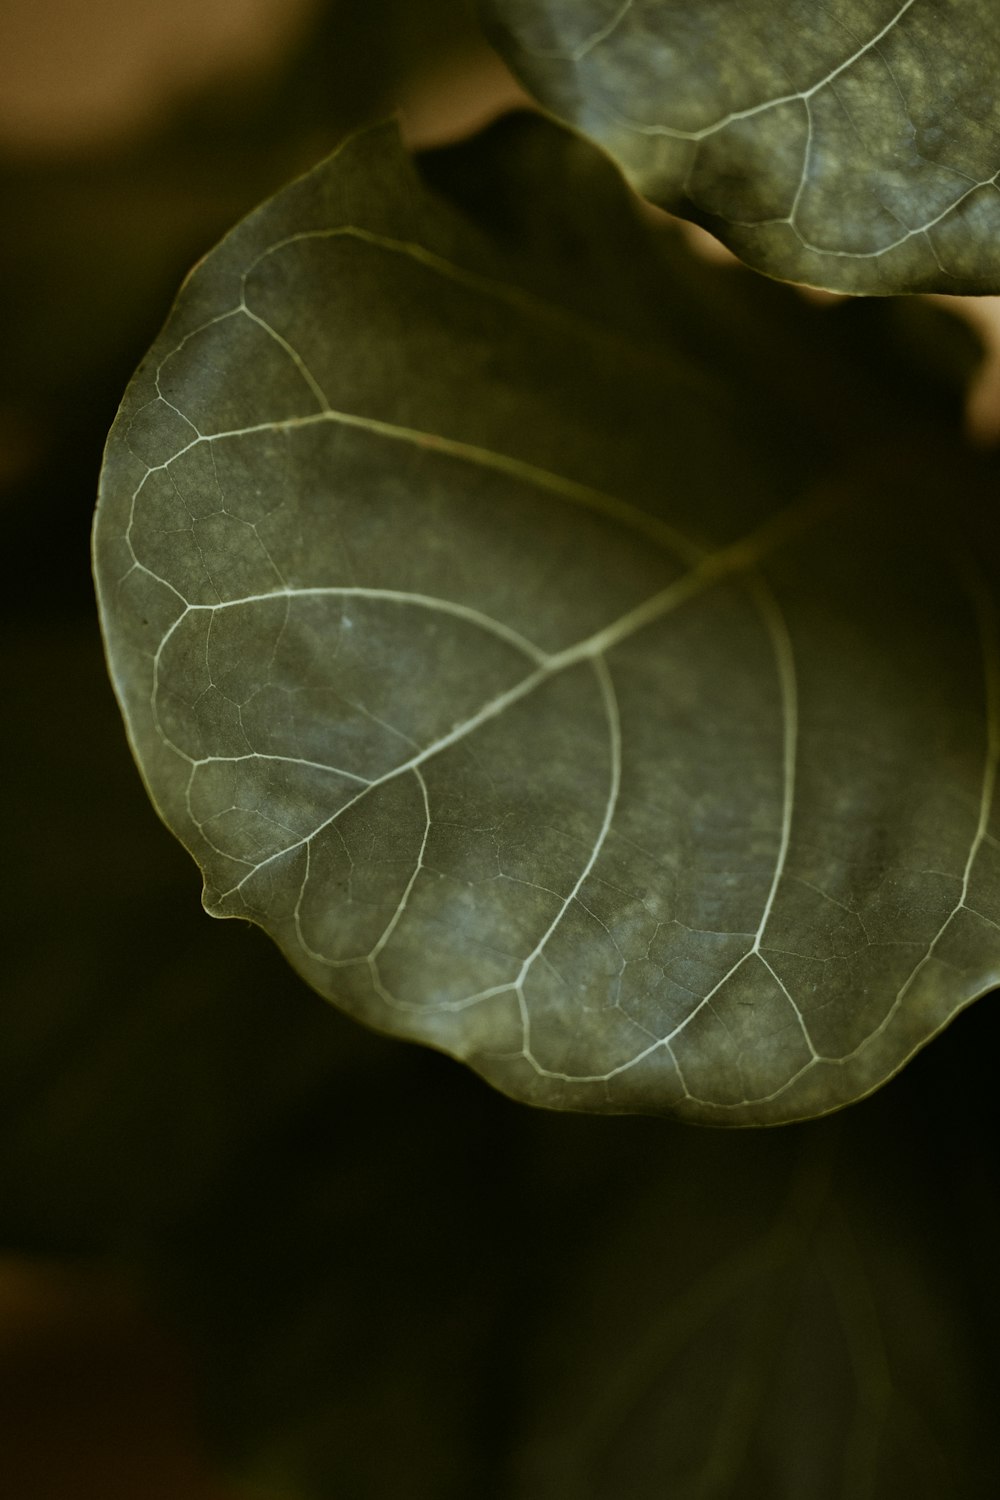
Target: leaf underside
point(852, 146)
point(511, 617)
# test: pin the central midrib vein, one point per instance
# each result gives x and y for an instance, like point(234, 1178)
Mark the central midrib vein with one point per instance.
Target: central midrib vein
point(738, 558)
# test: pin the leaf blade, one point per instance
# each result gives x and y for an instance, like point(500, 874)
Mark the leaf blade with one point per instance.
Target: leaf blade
point(851, 149)
point(589, 780)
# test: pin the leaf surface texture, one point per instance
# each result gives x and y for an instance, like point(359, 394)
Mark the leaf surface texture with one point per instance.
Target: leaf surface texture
point(505, 626)
point(852, 146)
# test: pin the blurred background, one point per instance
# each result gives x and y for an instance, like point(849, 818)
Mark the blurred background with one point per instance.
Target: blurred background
point(246, 1247)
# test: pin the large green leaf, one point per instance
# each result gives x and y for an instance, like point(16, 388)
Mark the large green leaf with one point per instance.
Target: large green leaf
point(852, 146)
point(513, 624)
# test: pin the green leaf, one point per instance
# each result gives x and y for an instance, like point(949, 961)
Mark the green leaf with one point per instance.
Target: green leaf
point(851, 146)
point(563, 680)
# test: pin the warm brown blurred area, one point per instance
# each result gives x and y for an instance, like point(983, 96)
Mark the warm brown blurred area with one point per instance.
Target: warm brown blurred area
point(77, 76)
point(983, 408)
point(79, 73)
point(96, 1397)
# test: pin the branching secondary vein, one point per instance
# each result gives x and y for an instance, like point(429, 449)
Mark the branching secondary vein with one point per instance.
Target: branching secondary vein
point(739, 558)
